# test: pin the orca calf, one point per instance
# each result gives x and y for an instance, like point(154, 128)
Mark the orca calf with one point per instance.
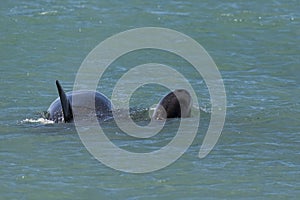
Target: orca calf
point(176, 104)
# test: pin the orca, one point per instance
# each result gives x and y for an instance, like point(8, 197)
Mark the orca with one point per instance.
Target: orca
point(60, 109)
point(176, 104)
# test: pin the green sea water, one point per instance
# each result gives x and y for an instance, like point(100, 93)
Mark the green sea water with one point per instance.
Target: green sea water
point(256, 46)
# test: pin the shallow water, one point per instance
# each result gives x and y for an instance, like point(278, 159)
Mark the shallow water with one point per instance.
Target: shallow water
point(255, 45)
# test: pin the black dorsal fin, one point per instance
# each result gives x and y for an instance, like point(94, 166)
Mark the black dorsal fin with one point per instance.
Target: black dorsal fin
point(65, 103)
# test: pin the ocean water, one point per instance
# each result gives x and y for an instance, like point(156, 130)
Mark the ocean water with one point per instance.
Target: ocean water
point(256, 46)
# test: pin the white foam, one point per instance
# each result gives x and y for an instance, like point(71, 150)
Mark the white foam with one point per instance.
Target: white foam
point(52, 12)
point(39, 120)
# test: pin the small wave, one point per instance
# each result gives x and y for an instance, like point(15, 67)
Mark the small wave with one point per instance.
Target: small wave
point(169, 13)
point(39, 120)
point(52, 12)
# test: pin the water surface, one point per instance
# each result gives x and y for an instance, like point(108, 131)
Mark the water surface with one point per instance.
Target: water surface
point(256, 46)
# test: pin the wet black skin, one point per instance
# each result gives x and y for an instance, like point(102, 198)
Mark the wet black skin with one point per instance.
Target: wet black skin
point(176, 104)
point(61, 108)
